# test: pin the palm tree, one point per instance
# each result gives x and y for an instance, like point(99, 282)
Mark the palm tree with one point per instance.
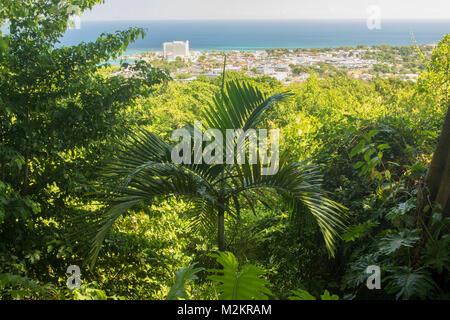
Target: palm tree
point(144, 170)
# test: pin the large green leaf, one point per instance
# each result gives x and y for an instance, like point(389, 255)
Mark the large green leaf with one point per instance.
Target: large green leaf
point(236, 283)
point(407, 283)
point(392, 242)
point(178, 290)
point(301, 184)
point(301, 294)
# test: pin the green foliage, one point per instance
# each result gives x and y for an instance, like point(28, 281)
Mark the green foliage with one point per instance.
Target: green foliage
point(290, 249)
point(20, 288)
point(238, 283)
point(392, 242)
point(235, 282)
point(143, 251)
point(407, 283)
point(327, 296)
point(305, 295)
point(178, 290)
point(372, 155)
point(301, 295)
point(358, 231)
point(171, 66)
point(58, 109)
point(390, 56)
point(144, 170)
point(65, 115)
point(436, 254)
point(86, 292)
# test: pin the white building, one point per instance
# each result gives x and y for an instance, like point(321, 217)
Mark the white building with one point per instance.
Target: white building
point(266, 70)
point(175, 49)
point(280, 76)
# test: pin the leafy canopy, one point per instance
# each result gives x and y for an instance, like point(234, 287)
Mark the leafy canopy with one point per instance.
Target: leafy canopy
point(143, 172)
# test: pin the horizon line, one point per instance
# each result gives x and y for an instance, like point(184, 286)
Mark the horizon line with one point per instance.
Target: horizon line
point(269, 19)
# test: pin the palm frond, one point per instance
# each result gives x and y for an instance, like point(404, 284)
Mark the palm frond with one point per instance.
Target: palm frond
point(145, 185)
point(203, 216)
point(301, 183)
point(240, 107)
point(142, 171)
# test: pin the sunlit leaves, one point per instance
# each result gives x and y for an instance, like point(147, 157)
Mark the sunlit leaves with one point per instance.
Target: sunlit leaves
point(57, 112)
point(240, 107)
point(328, 296)
point(239, 283)
point(301, 294)
point(144, 170)
point(178, 290)
point(355, 232)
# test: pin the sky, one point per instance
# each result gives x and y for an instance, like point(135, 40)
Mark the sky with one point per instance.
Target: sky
point(265, 9)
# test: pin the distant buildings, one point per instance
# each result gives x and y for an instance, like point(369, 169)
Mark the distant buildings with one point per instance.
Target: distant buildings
point(172, 50)
point(280, 76)
point(209, 64)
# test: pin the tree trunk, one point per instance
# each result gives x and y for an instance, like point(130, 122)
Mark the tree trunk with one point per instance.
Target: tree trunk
point(27, 156)
point(436, 186)
point(221, 229)
point(221, 211)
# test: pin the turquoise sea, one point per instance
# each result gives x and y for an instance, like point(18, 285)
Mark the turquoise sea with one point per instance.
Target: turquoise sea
point(262, 34)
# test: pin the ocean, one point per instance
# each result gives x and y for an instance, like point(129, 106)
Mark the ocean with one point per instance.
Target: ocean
point(259, 34)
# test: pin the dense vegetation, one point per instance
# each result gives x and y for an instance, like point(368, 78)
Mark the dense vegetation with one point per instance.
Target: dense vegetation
point(72, 130)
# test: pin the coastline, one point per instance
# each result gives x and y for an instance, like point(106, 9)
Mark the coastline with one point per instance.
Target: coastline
point(141, 51)
point(289, 65)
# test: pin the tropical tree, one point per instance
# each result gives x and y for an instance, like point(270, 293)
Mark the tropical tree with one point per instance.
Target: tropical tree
point(144, 171)
point(434, 194)
point(57, 110)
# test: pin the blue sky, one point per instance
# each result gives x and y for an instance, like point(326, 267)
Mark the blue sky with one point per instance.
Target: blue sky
point(266, 9)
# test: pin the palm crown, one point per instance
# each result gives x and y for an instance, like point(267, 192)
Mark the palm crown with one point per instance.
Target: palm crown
point(144, 170)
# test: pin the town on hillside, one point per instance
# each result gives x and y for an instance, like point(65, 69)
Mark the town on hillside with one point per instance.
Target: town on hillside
point(289, 65)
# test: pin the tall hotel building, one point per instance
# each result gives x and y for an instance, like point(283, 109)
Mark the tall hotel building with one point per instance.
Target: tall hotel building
point(176, 49)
